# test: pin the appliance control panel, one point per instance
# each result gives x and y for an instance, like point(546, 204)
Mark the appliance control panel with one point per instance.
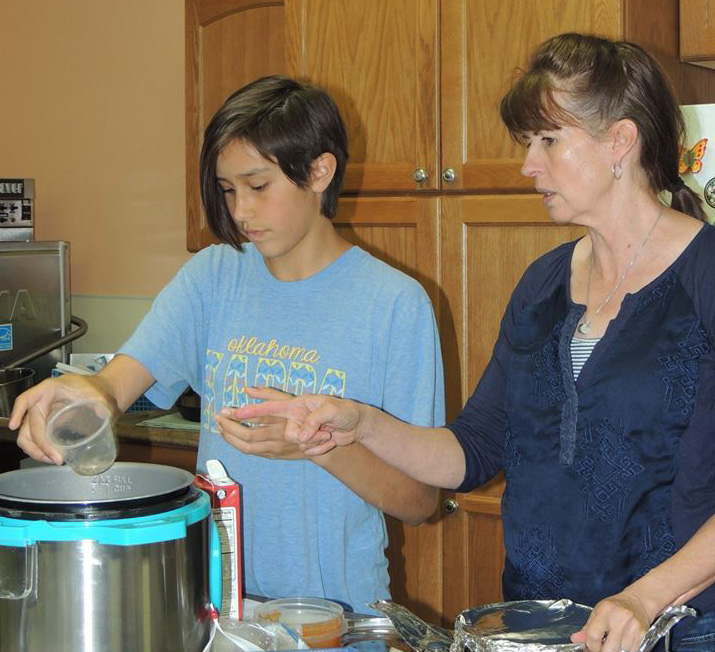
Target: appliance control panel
point(17, 198)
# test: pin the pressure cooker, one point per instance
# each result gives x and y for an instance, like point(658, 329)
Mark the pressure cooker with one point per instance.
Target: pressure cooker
point(128, 560)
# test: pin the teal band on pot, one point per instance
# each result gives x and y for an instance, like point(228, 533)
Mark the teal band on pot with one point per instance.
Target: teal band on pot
point(167, 526)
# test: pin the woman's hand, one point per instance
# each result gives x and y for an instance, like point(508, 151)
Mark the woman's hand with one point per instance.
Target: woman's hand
point(315, 422)
point(33, 407)
point(616, 624)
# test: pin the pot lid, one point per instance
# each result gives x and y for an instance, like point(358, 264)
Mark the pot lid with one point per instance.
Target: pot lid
point(123, 482)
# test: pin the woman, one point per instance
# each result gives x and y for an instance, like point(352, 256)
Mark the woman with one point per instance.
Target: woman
point(598, 399)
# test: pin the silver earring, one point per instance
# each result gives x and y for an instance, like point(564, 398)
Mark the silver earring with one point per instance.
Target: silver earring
point(617, 170)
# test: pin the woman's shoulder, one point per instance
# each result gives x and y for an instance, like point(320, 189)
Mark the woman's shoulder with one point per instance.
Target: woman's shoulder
point(695, 270)
point(547, 272)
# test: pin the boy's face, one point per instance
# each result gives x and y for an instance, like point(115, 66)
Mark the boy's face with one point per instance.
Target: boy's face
point(281, 219)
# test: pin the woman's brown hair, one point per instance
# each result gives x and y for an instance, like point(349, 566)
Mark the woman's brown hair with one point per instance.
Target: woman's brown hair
point(591, 82)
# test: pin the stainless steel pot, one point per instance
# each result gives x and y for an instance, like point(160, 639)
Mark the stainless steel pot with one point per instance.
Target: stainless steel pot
point(13, 382)
point(112, 563)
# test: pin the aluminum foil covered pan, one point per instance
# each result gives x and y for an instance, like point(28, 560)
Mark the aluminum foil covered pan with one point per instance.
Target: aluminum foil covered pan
point(521, 626)
point(524, 625)
point(540, 626)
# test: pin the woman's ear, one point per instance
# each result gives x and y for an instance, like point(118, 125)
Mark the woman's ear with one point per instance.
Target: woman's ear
point(625, 136)
point(322, 172)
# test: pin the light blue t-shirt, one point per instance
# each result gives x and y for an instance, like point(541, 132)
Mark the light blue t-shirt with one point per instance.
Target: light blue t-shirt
point(358, 329)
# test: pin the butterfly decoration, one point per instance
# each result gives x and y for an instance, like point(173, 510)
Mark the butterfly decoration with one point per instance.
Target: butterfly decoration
point(692, 158)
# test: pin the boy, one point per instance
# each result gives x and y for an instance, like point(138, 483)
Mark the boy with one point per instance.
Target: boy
point(297, 309)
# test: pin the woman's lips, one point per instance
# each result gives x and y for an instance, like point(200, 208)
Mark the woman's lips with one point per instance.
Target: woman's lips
point(546, 195)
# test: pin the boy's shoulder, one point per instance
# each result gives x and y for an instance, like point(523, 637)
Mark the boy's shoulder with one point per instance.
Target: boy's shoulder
point(368, 271)
point(218, 255)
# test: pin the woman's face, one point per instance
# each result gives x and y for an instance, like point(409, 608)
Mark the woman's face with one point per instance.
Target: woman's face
point(571, 170)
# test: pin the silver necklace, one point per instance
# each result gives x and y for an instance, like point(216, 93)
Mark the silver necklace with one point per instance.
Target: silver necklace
point(585, 326)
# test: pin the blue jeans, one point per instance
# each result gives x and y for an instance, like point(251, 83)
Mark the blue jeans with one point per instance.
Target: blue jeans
point(691, 635)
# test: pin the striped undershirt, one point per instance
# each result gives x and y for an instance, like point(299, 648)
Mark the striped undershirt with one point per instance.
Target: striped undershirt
point(580, 350)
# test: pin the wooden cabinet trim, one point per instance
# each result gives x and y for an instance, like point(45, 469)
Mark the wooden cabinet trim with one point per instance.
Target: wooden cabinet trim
point(212, 10)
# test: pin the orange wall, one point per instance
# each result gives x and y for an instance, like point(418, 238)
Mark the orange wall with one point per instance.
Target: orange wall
point(93, 108)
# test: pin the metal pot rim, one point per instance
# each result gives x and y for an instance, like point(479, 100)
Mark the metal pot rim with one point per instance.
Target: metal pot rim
point(23, 373)
point(124, 482)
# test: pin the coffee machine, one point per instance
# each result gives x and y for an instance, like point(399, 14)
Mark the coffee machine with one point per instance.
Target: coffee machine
point(17, 210)
point(36, 324)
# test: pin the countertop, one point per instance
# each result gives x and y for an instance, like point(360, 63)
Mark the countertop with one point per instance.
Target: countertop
point(127, 429)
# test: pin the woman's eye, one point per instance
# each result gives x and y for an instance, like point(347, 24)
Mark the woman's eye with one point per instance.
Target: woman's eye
point(226, 191)
point(259, 188)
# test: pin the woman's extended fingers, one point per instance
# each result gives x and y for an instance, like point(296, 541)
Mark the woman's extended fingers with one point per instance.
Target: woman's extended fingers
point(268, 393)
point(270, 408)
point(321, 443)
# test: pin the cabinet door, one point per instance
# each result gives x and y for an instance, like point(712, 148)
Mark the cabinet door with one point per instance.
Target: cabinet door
point(487, 243)
point(379, 60)
point(484, 43)
point(697, 32)
point(403, 232)
point(228, 44)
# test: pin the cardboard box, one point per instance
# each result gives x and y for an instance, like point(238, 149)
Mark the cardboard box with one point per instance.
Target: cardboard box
point(225, 498)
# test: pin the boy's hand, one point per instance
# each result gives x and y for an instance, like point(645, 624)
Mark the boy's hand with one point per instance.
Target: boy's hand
point(34, 406)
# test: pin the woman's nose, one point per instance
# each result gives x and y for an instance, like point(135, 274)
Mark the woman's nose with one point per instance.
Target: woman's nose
point(529, 166)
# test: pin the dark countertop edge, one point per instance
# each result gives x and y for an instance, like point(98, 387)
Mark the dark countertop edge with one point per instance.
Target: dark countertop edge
point(128, 431)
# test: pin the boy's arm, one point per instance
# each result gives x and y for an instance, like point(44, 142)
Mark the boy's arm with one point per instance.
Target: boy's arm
point(118, 385)
point(371, 478)
point(380, 484)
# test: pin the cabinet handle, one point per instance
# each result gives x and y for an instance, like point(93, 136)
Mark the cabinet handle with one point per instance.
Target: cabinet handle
point(450, 505)
point(419, 175)
point(449, 175)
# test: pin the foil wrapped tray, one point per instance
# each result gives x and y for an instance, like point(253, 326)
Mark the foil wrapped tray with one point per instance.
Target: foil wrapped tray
point(524, 625)
point(519, 626)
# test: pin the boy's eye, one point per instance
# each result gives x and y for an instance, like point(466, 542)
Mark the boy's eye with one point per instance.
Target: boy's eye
point(548, 140)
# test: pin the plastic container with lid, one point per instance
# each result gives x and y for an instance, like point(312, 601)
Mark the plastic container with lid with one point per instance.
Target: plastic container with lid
point(320, 623)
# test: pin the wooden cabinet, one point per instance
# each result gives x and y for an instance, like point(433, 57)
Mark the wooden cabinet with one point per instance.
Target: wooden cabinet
point(697, 32)
point(380, 61)
point(419, 81)
point(483, 44)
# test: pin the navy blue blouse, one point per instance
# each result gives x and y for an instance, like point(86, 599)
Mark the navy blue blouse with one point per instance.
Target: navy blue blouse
point(608, 476)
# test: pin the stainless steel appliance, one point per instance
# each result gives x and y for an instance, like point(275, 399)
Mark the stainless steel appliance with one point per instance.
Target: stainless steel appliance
point(17, 209)
point(121, 562)
point(35, 311)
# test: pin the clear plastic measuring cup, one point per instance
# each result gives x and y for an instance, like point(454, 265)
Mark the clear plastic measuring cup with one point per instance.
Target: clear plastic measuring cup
point(82, 432)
